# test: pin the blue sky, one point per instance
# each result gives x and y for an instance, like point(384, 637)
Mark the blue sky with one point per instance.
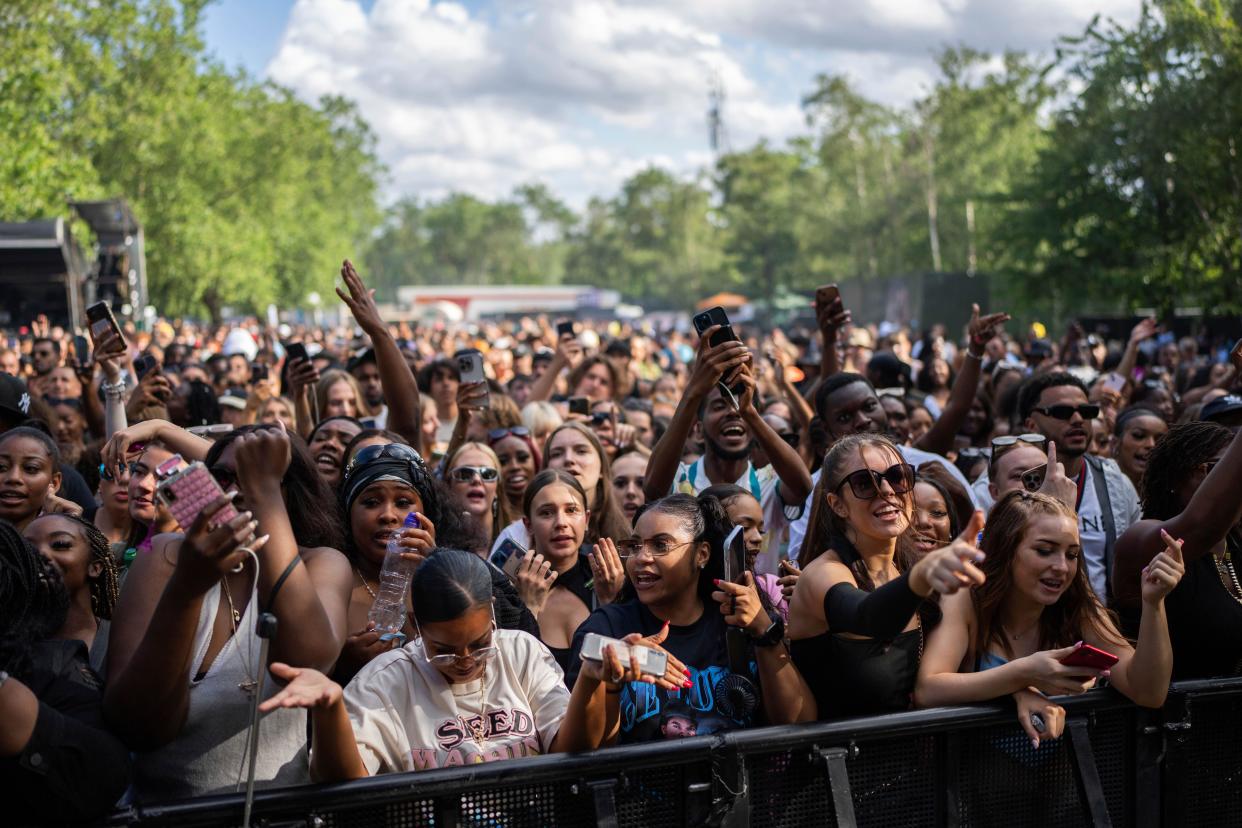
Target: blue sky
point(484, 96)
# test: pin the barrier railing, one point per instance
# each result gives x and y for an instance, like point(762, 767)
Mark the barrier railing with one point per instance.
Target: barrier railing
point(967, 766)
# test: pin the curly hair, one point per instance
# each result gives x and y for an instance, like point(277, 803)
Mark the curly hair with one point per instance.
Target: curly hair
point(1185, 447)
point(33, 600)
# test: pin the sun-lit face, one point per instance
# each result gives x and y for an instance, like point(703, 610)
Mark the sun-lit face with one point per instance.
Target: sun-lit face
point(557, 522)
point(888, 514)
point(1047, 559)
point(466, 481)
point(571, 452)
point(341, 401)
point(932, 526)
point(628, 476)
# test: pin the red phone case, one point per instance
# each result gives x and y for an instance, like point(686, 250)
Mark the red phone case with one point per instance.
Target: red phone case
point(1088, 656)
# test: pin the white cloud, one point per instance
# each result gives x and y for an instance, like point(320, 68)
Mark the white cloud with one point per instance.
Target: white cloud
point(581, 93)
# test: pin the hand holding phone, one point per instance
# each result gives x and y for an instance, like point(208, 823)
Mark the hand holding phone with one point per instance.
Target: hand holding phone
point(187, 491)
point(1087, 656)
point(651, 662)
point(100, 319)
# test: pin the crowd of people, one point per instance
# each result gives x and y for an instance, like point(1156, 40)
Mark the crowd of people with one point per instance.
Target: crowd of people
point(926, 520)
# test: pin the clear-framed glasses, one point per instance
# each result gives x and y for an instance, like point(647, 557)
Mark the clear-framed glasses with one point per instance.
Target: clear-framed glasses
point(484, 653)
point(658, 547)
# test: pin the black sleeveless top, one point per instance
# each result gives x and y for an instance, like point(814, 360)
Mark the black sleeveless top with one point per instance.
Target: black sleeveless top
point(861, 676)
point(1205, 620)
point(578, 581)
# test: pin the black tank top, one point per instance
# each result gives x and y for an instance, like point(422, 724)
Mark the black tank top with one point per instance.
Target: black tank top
point(575, 580)
point(861, 676)
point(1205, 620)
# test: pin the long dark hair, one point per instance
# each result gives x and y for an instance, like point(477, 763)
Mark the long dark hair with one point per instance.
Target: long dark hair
point(448, 584)
point(825, 527)
point(1076, 613)
point(311, 505)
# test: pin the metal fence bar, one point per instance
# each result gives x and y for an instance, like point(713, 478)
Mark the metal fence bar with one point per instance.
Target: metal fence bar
point(862, 764)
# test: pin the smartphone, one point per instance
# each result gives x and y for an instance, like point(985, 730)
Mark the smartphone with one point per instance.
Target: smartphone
point(510, 554)
point(1114, 382)
point(144, 365)
point(825, 295)
point(580, 405)
point(186, 492)
point(565, 328)
point(295, 351)
point(650, 662)
point(735, 555)
point(81, 352)
point(211, 432)
point(1032, 479)
point(715, 316)
point(470, 365)
point(258, 372)
point(1088, 656)
point(100, 318)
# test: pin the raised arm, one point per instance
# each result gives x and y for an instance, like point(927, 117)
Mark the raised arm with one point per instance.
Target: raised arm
point(111, 356)
point(794, 478)
point(568, 354)
point(1144, 330)
point(191, 447)
point(313, 594)
point(1143, 673)
point(1213, 510)
point(151, 640)
point(831, 318)
point(939, 438)
point(711, 365)
point(400, 388)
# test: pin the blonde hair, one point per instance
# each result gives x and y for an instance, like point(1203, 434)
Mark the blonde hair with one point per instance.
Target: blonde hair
point(502, 516)
point(542, 418)
point(331, 378)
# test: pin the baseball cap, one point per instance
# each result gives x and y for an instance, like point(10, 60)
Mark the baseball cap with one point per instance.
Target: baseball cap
point(233, 398)
point(14, 398)
point(1221, 406)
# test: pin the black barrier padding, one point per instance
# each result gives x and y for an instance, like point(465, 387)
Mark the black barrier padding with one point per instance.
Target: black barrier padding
point(1211, 750)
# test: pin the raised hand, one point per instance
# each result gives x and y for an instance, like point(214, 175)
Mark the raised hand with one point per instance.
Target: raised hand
point(209, 552)
point(982, 329)
point(952, 567)
point(714, 364)
point(1145, 329)
point(263, 455)
point(740, 605)
point(607, 571)
point(1056, 484)
point(306, 688)
point(533, 580)
point(789, 579)
point(832, 317)
point(1165, 571)
point(416, 542)
point(360, 300)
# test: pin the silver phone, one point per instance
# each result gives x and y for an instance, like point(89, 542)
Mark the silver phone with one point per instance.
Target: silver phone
point(650, 662)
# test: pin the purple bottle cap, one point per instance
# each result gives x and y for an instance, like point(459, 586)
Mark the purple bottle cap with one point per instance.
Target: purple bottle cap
point(411, 521)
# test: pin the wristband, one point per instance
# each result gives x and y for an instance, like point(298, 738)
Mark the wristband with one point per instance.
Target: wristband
point(113, 389)
point(972, 355)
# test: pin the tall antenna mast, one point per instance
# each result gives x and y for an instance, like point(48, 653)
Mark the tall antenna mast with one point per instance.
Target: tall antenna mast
point(717, 134)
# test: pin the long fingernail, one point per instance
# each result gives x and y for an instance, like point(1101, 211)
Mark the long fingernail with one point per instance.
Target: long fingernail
point(1035, 744)
point(687, 672)
point(1106, 674)
point(687, 685)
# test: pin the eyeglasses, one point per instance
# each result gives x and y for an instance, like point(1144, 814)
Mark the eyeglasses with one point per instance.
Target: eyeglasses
point(1088, 411)
point(865, 483)
point(498, 434)
point(601, 417)
point(483, 653)
point(658, 547)
point(395, 451)
point(466, 474)
point(1011, 440)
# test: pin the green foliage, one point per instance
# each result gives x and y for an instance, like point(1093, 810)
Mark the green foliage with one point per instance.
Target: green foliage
point(248, 196)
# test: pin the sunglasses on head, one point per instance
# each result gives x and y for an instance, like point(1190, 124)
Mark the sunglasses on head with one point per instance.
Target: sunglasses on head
point(866, 483)
point(498, 434)
point(395, 451)
point(1088, 411)
point(1011, 440)
point(466, 474)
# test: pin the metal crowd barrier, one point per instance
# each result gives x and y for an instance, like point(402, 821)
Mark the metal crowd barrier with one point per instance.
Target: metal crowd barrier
point(966, 766)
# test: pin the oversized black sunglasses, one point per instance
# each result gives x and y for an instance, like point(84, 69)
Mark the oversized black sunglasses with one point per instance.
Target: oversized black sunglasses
point(1088, 411)
point(498, 434)
point(866, 483)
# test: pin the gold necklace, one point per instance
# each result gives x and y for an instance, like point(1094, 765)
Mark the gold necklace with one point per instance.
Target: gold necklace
point(249, 685)
point(478, 727)
point(367, 586)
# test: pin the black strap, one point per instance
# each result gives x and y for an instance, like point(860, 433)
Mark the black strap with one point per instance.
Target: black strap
point(882, 614)
point(271, 598)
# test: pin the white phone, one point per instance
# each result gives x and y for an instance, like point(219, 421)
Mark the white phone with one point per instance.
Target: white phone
point(650, 662)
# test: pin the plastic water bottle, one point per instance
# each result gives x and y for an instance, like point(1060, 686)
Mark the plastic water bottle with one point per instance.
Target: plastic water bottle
point(388, 612)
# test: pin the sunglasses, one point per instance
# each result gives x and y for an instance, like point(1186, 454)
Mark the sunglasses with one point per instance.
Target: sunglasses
point(467, 474)
point(1088, 411)
point(1011, 440)
point(395, 451)
point(865, 483)
point(601, 417)
point(498, 434)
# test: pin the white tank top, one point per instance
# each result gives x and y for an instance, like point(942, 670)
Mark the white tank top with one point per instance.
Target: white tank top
point(209, 754)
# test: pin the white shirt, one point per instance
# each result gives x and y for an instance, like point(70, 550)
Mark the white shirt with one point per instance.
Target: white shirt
point(1092, 536)
point(915, 457)
point(407, 717)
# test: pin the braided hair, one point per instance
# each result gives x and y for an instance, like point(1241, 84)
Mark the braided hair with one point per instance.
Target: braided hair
point(1176, 455)
point(106, 587)
point(33, 600)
